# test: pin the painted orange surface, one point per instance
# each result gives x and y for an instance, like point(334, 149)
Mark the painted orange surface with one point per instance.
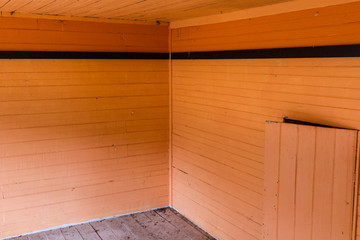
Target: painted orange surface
point(309, 175)
point(81, 139)
point(30, 34)
point(332, 25)
point(132, 10)
point(219, 113)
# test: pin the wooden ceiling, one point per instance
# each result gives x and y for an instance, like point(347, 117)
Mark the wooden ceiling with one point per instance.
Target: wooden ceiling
point(132, 10)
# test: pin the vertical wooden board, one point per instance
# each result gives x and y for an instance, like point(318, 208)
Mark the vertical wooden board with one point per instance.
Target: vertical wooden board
point(287, 181)
point(343, 186)
point(323, 184)
point(356, 216)
point(304, 182)
point(271, 178)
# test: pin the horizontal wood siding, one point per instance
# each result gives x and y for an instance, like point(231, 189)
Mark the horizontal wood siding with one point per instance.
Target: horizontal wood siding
point(219, 113)
point(332, 25)
point(134, 10)
point(81, 139)
point(30, 34)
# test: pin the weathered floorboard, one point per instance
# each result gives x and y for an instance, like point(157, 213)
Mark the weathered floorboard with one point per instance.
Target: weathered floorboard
point(160, 224)
point(181, 223)
point(71, 233)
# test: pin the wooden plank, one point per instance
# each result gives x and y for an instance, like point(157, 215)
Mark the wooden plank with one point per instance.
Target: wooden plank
point(58, 36)
point(20, 238)
point(140, 231)
point(103, 230)
point(158, 226)
point(87, 231)
point(127, 227)
point(24, 185)
point(323, 199)
point(37, 236)
point(61, 92)
point(295, 29)
point(238, 154)
point(83, 117)
point(94, 208)
point(254, 13)
point(243, 220)
point(287, 181)
point(343, 185)
point(120, 230)
point(304, 182)
point(356, 226)
point(247, 212)
point(77, 105)
point(55, 234)
point(245, 194)
point(97, 66)
point(130, 11)
point(71, 233)
point(232, 174)
point(214, 224)
point(109, 187)
point(271, 179)
point(182, 225)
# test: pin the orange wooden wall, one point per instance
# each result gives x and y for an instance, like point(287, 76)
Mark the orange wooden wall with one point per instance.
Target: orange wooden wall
point(219, 108)
point(332, 25)
point(26, 34)
point(81, 139)
point(219, 113)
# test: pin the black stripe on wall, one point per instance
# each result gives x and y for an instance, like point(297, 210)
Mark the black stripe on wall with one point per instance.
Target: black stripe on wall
point(80, 55)
point(297, 52)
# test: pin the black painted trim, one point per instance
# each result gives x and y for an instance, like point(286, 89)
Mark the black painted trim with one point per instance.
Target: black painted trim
point(80, 55)
point(297, 52)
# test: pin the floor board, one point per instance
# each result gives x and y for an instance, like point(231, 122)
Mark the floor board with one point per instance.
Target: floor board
point(161, 224)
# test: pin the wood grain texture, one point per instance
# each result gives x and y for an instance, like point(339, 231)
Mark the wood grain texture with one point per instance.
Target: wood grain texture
point(356, 212)
point(60, 164)
point(29, 34)
point(219, 111)
point(287, 182)
point(267, 10)
point(325, 207)
point(163, 223)
point(333, 25)
point(130, 10)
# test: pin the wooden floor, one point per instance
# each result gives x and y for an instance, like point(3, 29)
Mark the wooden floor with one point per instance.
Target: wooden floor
point(159, 224)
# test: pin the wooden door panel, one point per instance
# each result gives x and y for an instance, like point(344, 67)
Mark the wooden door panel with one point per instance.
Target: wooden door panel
point(309, 185)
point(287, 175)
point(304, 182)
